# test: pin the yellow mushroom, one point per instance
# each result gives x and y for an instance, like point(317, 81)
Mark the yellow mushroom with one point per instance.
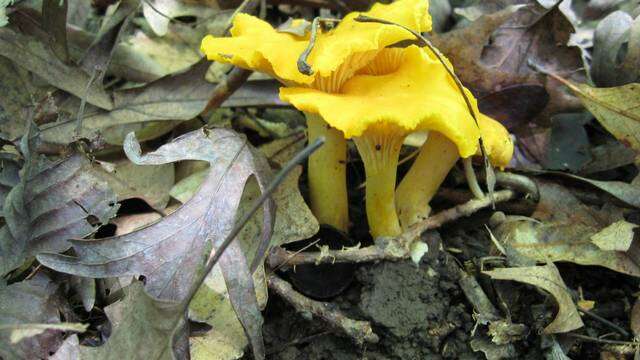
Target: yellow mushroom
point(436, 158)
point(401, 91)
point(336, 56)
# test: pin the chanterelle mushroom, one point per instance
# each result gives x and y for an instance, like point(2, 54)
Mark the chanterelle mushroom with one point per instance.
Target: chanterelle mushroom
point(401, 91)
point(335, 57)
point(436, 158)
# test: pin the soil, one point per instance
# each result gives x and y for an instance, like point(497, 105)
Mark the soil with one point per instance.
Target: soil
point(418, 312)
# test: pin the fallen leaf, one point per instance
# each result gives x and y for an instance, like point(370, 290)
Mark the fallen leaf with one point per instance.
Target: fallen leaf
point(617, 236)
point(150, 183)
point(54, 19)
point(129, 223)
point(211, 305)
point(494, 51)
point(615, 108)
point(86, 289)
point(568, 147)
point(146, 329)
point(9, 176)
point(29, 302)
point(3, 12)
point(97, 57)
point(69, 350)
point(167, 252)
point(17, 100)
point(616, 50)
point(168, 262)
point(159, 13)
point(547, 278)
point(610, 155)
point(179, 96)
point(625, 192)
point(55, 201)
point(528, 242)
point(563, 235)
point(32, 54)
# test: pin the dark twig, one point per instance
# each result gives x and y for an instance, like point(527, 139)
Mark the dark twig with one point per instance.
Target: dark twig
point(278, 256)
point(358, 331)
point(232, 82)
point(602, 341)
point(277, 180)
point(610, 324)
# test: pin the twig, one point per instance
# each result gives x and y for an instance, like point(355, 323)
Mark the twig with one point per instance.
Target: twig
point(277, 180)
point(454, 213)
point(278, 256)
point(477, 297)
point(602, 341)
point(357, 330)
point(232, 82)
point(599, 318)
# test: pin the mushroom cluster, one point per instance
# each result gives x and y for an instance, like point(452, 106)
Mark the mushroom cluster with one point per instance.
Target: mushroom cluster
point(361, 87)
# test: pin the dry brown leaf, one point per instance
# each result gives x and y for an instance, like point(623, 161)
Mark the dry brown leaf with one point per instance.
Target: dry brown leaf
point(547, 278)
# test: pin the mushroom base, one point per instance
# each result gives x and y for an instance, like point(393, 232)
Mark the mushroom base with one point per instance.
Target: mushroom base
point(436, 158)
point(327, 175)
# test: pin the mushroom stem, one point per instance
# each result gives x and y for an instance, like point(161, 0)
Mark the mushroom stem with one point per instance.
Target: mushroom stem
point(327, 174)
point(436, 158)
point(379, 147)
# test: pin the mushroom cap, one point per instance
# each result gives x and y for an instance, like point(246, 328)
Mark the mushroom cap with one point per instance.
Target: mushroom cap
point(256, 45)
point(419, 95)
point(496, 140)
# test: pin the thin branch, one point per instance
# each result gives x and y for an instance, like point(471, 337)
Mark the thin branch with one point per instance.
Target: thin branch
point(358, 331)
point(232, 82)
point(373, 253)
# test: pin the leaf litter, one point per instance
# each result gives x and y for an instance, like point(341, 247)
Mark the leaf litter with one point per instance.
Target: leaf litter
point(561, 77)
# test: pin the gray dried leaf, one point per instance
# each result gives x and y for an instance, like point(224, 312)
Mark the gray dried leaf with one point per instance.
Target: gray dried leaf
point(625, 192)
point(69, 350)
point(55, 201)
point(32, 54)
point(171, 251)
point(98, 56)
point(166, 252)
point(86, 289)
point(9, 176)
point(179, 96)
point(29, 302)
point(616, 50)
